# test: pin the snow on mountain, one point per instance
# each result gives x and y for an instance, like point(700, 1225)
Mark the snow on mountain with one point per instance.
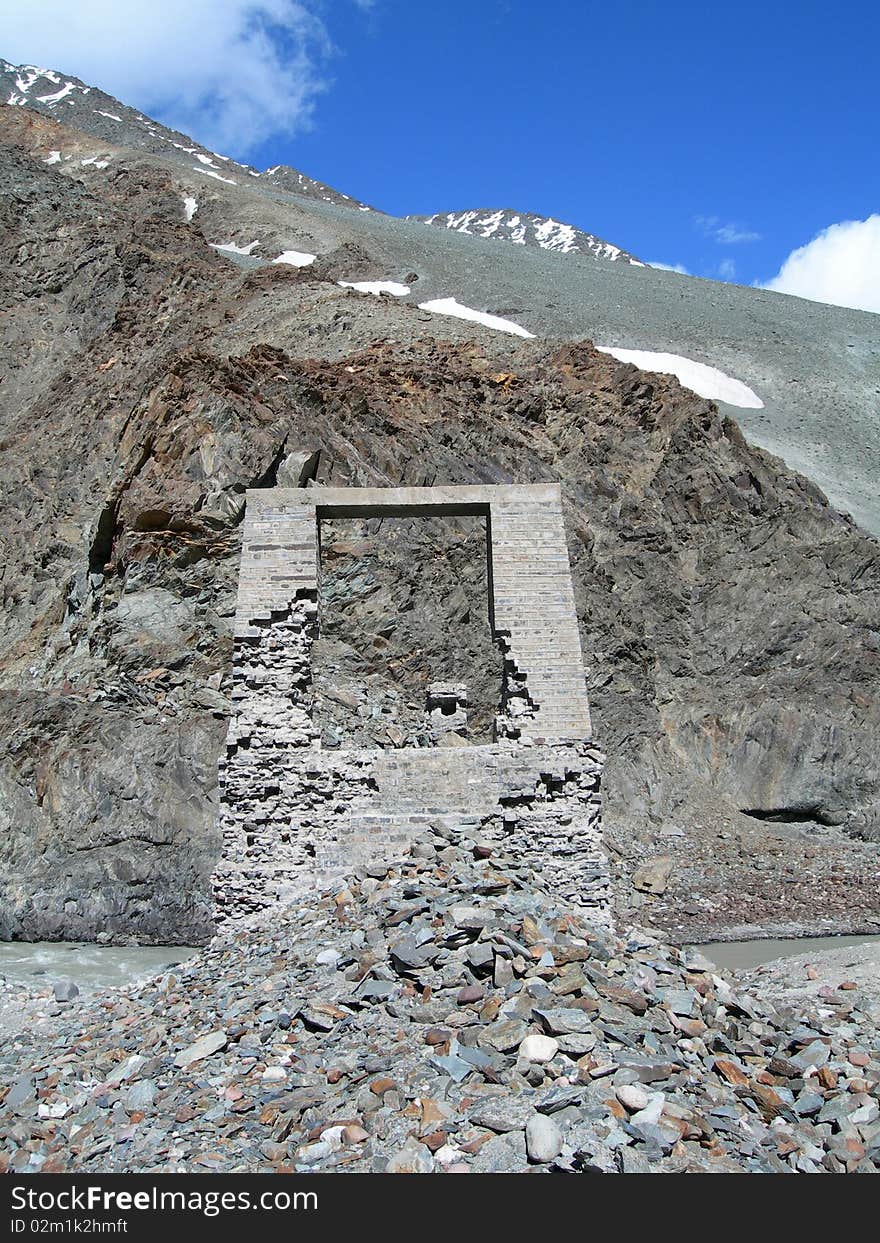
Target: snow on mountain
point(282, 177)
point(450, 306)
point(377, 287)
point(528, 229)
point(91, 111)
point(700, 378)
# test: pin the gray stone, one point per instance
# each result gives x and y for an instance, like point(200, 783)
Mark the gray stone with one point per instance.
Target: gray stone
point(653, 876)
point(540, 1049)
point(505, 1034)
point(22, 1091)
point(543, 1139)
point(204, 1047)
point(141, 1095)
point(564, 1021)
point(412, 1158)
point(503, 1113)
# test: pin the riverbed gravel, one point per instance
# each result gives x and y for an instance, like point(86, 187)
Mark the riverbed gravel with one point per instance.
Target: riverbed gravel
point(445, 1013)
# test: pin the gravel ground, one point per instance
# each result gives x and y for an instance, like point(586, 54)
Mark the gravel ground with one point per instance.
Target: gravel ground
point(817, 976)
point(445, 1013)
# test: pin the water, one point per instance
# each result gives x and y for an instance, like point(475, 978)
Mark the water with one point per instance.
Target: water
point(95, 967)
point(91, 967)
point(744, 955)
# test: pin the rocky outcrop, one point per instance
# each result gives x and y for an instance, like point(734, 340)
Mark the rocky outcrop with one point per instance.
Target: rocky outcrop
point(108, 822)
point(727, 613)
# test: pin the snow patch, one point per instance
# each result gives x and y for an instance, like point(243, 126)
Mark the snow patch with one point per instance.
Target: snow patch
point(296, 258)
point(58, 96)
point(24, 83)
point(377, 287)
point(93, 159)
point(233, 248)
point(701, 379)
point(111, 115)
point(449, 306)
point(552, 235)
point(205, 159)
point(54, 157)
point(190, 207)
point(207, 172)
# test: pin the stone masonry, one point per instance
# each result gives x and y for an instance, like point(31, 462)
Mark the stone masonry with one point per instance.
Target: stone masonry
point(294, 815)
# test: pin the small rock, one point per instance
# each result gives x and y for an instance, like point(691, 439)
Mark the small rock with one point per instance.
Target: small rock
point(65, 990)
point(140, 1095)
point(540, 1049)
point(543, 1139)
point(412, 1158)
point(653, 876)
point(632, 1096)
point(204, 1047)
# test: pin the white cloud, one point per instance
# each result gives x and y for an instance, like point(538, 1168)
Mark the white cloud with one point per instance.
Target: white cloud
point(841, 265)
point(725, 234)
point(669, 267)
point(727, 269)
point(229, 72)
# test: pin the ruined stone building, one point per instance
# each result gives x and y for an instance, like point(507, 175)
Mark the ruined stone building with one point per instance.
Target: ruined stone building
point(295, 814)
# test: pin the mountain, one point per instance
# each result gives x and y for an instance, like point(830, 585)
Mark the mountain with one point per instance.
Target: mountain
point(527, 229)
point(90, 111)
point(813, 369)
point(176, 333)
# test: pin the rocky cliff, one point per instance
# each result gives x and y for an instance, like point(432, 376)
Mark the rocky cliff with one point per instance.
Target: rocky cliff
point(728, 613)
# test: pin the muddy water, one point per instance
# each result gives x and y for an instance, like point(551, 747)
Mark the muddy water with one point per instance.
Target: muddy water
point(91, 967)
point(744, 955)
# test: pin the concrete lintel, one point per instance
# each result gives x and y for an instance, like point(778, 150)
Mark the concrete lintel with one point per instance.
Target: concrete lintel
point(475, 499)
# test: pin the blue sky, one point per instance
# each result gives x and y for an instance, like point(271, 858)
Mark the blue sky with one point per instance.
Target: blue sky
point(718, 137)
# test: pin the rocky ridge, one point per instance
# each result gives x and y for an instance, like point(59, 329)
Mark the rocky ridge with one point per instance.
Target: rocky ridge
point(91, 111)
point(528, 229)
point(124, 457)
point(444, 1013)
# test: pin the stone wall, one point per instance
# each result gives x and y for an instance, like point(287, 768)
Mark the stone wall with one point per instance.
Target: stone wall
point(294, 814)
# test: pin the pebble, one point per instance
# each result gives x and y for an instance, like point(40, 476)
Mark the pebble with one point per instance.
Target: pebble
point(65, 990)
point(543, 1139)
point(539, 1049)
point(632, 1096)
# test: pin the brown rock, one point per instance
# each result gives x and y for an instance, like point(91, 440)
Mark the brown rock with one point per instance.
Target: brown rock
point(627, 997)
point(731, 1072)
point(769, 1102)
point(827, 1077)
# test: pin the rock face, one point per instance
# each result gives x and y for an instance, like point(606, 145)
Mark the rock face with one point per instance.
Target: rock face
point(374, 1030)
point(727, 613)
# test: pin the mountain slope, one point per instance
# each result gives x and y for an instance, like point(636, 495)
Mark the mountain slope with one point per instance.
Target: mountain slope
point(528, 229)
point(150, 378)
point(91, 111)
point(814, 368)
